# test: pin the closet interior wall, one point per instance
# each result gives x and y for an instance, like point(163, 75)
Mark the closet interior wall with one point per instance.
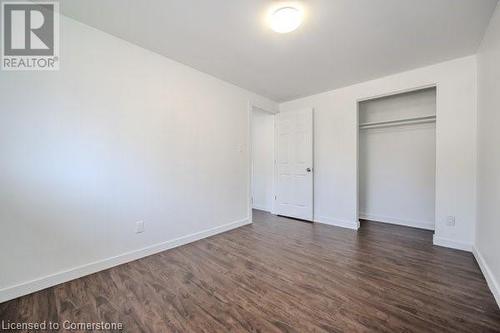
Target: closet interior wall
point(397, 159)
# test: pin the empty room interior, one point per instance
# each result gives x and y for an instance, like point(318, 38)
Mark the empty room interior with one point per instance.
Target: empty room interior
point(250, 166)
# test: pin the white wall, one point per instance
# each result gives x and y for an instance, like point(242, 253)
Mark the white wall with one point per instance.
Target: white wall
point(262, 159)
point(488, 218)
point(397, 165)
point(336, 146)
point(119, 134)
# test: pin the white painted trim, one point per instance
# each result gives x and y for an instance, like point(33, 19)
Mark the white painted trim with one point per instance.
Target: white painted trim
point(29, 287)
point(250, 159)
point(274, 209)
point(450, 243)
point(397, 92)
point(337, 222)
point(388, 94)
point(313, 163)
point(263, 208)
point(394, 220)
point(490, 278)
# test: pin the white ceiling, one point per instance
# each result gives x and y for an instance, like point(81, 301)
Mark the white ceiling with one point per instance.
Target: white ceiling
point(340, 43)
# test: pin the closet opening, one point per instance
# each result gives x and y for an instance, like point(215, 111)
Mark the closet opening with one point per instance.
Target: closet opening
point(397, 159)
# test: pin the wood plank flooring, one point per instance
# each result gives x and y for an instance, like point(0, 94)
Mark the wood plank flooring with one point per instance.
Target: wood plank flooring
point(282, 275)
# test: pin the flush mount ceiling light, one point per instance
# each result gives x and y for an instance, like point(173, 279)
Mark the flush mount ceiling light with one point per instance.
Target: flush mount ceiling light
point(286, 19)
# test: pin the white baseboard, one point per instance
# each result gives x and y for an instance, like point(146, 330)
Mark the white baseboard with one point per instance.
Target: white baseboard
point(337, 222)
point(394, 220)
point(445, 242)
point(29, 287)
point(263, 208)
point(490, 278)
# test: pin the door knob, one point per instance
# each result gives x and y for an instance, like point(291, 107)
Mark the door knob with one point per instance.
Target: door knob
point(308, 170)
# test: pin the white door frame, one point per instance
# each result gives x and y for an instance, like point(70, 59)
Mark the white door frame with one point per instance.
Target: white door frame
point(251, 107)
point(388, 94)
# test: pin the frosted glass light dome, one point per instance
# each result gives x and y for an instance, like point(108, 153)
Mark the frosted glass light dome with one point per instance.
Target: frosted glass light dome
point(286, 19)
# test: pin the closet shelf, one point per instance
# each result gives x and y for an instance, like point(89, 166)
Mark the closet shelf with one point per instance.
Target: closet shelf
point(399, 122)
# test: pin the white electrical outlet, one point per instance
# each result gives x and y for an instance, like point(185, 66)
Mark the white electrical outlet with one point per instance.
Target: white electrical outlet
point(450, 221)
point(139, 227)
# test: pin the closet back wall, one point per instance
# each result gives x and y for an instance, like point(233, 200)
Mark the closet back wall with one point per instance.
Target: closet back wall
point(397, 165)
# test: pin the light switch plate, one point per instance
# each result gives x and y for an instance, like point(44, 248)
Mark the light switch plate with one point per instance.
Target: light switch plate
point(139, 227)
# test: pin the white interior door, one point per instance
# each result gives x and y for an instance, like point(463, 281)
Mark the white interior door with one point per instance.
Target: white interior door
point(294, 188)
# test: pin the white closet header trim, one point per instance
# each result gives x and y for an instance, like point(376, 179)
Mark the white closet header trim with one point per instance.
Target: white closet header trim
point(399, 122)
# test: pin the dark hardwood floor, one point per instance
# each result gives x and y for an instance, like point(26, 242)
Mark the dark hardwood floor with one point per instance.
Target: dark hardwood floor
point(281, 275)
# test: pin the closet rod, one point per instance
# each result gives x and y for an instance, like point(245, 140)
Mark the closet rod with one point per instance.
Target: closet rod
point(399, 122)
